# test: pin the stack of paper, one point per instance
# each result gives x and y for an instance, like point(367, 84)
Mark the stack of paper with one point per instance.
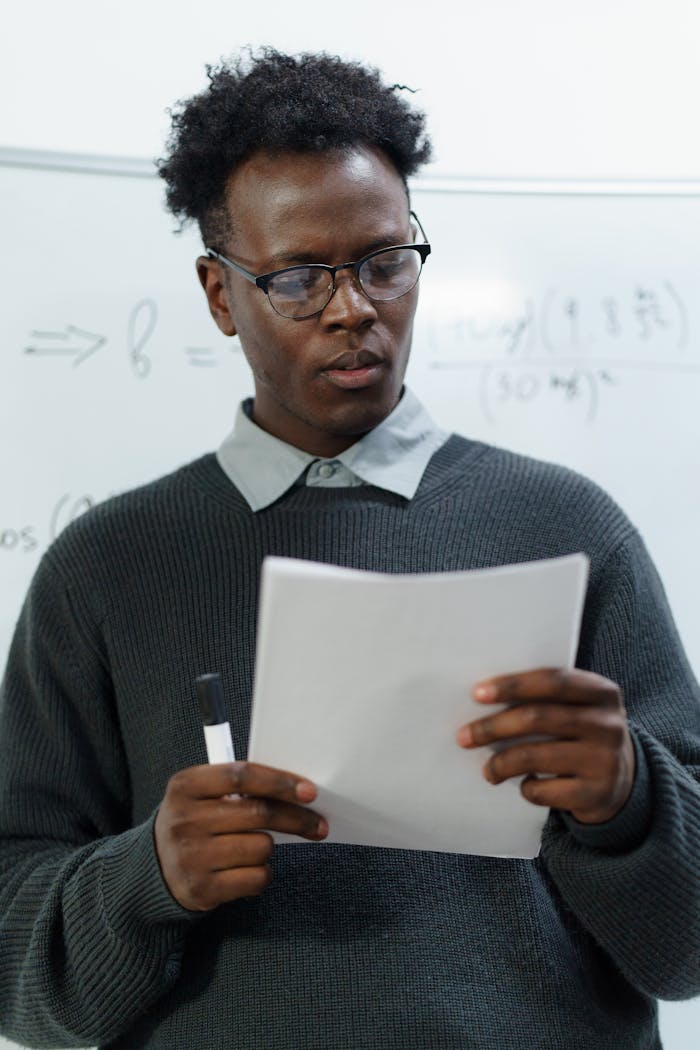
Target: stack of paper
point(363, 679)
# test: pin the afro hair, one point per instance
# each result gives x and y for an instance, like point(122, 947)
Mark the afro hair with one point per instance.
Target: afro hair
point(280, 103)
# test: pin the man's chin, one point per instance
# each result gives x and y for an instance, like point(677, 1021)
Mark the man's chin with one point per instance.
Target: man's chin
point(357, 418)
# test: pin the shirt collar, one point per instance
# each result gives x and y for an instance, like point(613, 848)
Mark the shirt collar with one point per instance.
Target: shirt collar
point(393, 456)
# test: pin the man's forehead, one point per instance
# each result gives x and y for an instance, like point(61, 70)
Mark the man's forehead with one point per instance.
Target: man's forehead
point(277, 173)
point(270, 192)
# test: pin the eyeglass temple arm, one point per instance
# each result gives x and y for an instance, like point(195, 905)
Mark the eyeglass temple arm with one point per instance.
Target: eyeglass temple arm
point(420, 225)
point(213, 254)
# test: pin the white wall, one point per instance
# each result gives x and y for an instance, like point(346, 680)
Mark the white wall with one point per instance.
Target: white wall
point(545, 87)
point(555, 87)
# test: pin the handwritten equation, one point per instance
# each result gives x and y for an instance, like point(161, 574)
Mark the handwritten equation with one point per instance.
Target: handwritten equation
point(562, 323)
point(77, 345)
point(565, 348)
point(25, 538)
point(503, 390)
point(646, 317)
point(562, 346)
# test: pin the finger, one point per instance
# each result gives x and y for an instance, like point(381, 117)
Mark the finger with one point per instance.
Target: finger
point(223, 853)
point(266, 814)
point(250, 850)
point(558, 684)
point(561, 721)
point(244, 778)
point(208, 891)
point(568, 793)
point(233, 883)
point(558, 758)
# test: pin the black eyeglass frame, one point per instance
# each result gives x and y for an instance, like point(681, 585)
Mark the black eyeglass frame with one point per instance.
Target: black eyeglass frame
point(262, 281)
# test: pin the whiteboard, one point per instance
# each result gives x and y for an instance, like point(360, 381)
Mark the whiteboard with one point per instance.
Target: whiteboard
point(558, 319)
point(565, 323)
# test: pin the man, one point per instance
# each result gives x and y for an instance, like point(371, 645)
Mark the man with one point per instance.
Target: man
point(142, 905)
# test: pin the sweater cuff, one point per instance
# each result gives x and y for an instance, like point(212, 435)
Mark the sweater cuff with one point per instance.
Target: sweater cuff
point(627, 828)
point(135, 897)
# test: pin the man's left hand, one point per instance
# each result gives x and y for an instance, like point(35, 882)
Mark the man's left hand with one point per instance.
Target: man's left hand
point(586, 764)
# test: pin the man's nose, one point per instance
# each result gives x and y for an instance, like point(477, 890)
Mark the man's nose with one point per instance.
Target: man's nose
point(349, 306)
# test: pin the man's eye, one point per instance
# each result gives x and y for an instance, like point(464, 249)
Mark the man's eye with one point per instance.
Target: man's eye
point(386, 267)
point(299, 282)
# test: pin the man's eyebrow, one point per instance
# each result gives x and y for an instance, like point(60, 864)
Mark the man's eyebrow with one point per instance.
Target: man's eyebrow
point(303, 258)
point(282, 259)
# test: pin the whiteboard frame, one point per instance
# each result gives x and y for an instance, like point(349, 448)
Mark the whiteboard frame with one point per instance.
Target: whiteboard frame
point(142, 167)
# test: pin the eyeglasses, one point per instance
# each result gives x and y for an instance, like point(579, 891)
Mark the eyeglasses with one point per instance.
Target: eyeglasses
point(302, 291)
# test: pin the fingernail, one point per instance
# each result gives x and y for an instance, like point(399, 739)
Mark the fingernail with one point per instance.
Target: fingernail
point(306, 791)
point(484, 692)
point(489, 774)
point(465, 737)
point(322, 828)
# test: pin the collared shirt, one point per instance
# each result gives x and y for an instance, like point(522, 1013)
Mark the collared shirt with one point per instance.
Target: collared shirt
point(393, 456)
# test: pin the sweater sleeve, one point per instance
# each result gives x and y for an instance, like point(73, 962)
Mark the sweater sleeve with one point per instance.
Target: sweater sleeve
point(89, 935)
point(633, 882)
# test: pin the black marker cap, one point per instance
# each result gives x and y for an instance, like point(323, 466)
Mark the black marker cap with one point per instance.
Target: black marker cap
point(210, 693)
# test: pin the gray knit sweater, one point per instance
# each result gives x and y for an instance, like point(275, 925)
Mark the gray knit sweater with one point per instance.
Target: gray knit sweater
point(350, 947)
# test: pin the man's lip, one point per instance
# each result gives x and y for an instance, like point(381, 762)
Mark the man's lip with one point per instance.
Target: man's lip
point(355, 378)
point(353, 360)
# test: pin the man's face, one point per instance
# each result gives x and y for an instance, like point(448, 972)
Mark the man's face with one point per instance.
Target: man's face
point(320, 382)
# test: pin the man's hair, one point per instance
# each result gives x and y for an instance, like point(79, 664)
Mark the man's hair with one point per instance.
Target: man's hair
point(279, 104)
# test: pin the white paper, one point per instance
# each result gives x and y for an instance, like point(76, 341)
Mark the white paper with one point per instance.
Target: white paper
point(363, 679)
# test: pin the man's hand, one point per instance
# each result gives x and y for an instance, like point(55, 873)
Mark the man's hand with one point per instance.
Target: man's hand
point(588, 760)
point(214, 848)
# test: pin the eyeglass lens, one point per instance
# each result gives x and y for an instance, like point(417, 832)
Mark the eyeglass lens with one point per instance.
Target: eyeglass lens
point(305, 290)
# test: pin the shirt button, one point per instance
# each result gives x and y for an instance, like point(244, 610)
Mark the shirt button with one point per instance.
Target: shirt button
point(326, 470)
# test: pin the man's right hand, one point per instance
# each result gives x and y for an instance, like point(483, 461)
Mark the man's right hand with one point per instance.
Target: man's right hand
point(214, 848)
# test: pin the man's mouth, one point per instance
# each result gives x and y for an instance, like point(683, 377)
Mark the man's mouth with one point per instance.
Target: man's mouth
point(354, 370)
point(353, 360)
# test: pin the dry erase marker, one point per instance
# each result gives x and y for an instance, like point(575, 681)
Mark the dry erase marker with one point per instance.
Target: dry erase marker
point(217, 731)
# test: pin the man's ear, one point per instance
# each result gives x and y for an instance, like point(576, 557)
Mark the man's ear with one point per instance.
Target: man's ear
point(212, 281)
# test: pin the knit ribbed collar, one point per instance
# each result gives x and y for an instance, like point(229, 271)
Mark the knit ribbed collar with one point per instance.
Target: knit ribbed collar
point(393, 456)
